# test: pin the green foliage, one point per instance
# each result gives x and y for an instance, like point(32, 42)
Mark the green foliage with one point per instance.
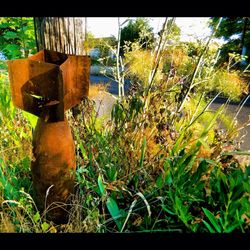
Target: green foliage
point(17, 39)
point(180, 173)
point(32, 119)
point(231, 29)
point(111, 204)
point(140, 62)
point(105, 46)
point(137, 30)
point(229, 83)
point(6, 107)
point(90, 42)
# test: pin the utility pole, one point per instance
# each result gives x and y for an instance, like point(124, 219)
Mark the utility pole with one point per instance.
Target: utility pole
point(61, 34)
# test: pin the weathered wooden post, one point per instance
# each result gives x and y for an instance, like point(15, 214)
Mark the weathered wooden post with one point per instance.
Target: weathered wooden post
point(46, 85)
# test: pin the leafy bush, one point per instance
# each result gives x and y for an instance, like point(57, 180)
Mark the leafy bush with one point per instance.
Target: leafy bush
point(229, 83)
point(137, 31)
point(17, 37)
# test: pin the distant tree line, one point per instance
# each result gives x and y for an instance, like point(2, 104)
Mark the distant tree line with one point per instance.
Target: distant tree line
point(236, 32)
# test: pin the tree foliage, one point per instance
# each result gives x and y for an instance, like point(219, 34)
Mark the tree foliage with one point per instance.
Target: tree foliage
point(17, 37)
point(174, 31)
point(138, 29)
point(236, 32)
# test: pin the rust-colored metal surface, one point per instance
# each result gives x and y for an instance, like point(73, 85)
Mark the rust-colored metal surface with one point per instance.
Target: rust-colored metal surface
point(46, 85)
point(54, 153)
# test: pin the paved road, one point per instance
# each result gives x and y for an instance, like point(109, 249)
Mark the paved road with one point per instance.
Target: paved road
point(112, 85)
point(243, 116)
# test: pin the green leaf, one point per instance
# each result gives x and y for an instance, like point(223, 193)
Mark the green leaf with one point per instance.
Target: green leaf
point(233, 226)
point(111, 172)
point(168, 178)
point(208, 227)
point(224, 190)
point(143, 149)
point(189, 161)
point(45, 226)
point(196, 176)
point(214, 163)
point(10, 35)
point(246, 186)
point(36, 217)
point(114, 211)
point(247, 172)
point(237, 192)
point(12, 47)
point(159, 181)
point(212, 219)
point(177, 145)
point(182, 210)
point(31, 118)
point(211, 123)
point(83, 151)
point(167, 210)
point(168, 164)
point(4, 25)
point(101, 185)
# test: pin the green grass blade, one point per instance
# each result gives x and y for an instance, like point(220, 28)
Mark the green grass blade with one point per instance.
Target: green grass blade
point(177, 144)
point(167, 210)
point(212, 219)
point(208, 227)
point(83, 151)
point(240, 152)
point(231, 228)
point(114, 211)
point(31, 118)
point(211, 123)
point(101, 185)
point(143, 149)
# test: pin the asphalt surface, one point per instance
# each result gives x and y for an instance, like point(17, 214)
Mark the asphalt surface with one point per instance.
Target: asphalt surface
point(243, 117)
point(112, 85)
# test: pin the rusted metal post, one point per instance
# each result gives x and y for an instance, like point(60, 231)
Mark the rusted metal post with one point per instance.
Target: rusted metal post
point(46, 85)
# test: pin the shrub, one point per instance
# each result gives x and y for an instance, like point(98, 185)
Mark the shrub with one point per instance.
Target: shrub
point(229, 83)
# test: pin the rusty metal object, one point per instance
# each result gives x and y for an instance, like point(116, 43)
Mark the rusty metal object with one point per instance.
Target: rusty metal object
point(46, 85)
point(54, 153)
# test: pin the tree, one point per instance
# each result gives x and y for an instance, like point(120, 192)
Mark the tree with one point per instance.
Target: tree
point(236, 32)
point(17, 38)
point(174, 31)
point(138, 29)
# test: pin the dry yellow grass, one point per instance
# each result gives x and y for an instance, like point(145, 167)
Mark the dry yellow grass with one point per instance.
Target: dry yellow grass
point(6, 226)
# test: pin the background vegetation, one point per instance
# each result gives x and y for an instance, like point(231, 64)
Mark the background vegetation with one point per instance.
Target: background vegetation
point(236, 32)
point(17, 37)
